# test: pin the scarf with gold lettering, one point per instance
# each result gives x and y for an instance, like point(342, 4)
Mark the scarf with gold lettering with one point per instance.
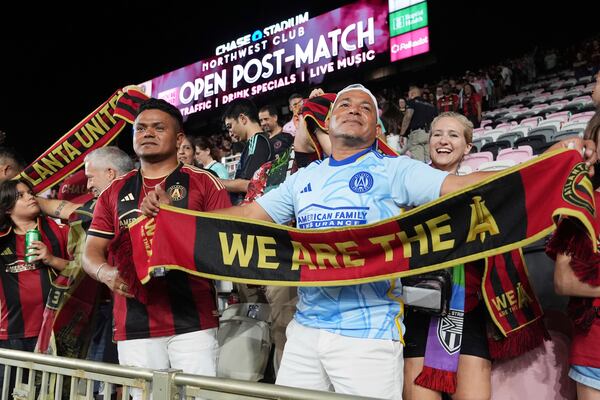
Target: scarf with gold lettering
point(96, 130)
point(474, 223)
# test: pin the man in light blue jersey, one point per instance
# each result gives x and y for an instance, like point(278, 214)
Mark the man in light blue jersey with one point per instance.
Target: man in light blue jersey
point(348, 338)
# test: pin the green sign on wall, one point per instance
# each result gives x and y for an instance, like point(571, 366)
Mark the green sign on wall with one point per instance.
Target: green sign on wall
point(408, 19)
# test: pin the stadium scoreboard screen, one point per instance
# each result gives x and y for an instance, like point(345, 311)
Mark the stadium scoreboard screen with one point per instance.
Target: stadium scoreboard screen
point(296, 50)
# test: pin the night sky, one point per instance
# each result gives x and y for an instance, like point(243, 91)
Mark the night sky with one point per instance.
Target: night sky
point(56, 70)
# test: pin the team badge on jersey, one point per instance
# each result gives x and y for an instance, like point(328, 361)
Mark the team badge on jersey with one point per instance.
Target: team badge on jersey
point(361, 182)
point(177, 192)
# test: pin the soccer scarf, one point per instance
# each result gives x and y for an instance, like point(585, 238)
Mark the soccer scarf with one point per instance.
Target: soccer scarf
point(96, 130)
point(512, 306)
point(444, 339)
point(474, 223)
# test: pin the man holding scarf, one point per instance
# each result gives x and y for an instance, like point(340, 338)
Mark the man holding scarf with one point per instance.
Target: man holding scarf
point(348, 338)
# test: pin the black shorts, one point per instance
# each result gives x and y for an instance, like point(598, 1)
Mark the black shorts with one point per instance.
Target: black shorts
point(474, 340)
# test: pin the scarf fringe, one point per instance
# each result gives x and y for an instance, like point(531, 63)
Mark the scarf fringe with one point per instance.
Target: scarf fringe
point(437, 379)
point(570, 238)
point(122, 252)
point(519, 342)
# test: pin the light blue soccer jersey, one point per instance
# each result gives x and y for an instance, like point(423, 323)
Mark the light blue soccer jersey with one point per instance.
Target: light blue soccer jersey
point(365, 188)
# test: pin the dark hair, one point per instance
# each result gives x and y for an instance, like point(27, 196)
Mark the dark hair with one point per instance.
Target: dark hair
point(241, 106)
point(8, 155)
point(162, 105)
point(271, 109)
point(8, 199)
point(205, 143)
point(295, 96)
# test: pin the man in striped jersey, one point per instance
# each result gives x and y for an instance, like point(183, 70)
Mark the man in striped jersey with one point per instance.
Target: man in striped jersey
point(176, 325)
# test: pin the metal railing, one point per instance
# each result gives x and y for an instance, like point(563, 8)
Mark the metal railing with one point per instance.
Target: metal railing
point(56, 378)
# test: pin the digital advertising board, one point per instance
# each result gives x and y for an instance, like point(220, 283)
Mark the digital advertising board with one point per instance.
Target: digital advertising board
point(299, 49)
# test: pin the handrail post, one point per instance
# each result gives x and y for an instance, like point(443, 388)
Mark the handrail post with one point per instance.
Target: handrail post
point(163, 385)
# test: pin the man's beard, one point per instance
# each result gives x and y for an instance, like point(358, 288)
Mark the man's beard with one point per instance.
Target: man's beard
point(352, 141)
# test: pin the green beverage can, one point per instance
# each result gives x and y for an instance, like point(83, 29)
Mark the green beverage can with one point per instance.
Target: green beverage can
point(30, 236)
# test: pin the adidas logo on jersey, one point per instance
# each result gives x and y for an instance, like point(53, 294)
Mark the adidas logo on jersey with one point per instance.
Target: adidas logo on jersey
point(129, 197)
point(306, 189)
point(7, 252)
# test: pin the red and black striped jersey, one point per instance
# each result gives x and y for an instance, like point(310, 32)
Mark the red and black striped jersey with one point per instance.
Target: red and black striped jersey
point(24, 287)
point(176, 303)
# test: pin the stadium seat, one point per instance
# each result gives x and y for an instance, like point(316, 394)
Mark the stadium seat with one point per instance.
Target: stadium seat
point(562, 116)
point(473, 160)
point(531, 122)
point(580, 104)
point(523, 130)
point(586, 79)
point(497, 165)
point(547, 131)
point(574, 125)
point(496, 146)
point(582, 117)
point(485, 122)
point(536, 142)
point(518, 155)
point(572, 93)
point(562, 135)
point(479, 142)
point(464, 170)
point(511, 136)
point(506, 126)
point(543, 148)
point(477, 132)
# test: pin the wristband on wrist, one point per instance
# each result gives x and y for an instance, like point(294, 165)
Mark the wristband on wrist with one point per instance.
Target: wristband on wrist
point(98, 270)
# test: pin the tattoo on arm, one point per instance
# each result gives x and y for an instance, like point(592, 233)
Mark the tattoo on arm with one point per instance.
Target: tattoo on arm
point(59, 208)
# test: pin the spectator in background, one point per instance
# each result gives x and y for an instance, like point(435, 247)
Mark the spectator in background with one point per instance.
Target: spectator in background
point(507, 78)
point(439, 93)
point(416, 123)
point(206, 155)
point(241, 120)
point(223, 144)
point(402, 104)
point(280, 140)
point(11, 163)
point(185, 153)
point(550, 60)
point(449, 101)
point(471, 104)
point(295, 103)
point(391, 117)
point(580, 65)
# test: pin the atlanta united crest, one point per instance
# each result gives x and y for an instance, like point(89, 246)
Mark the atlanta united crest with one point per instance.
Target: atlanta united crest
point(578, 190)
point(449, 331)
point(177, 192)
point(361, 182)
